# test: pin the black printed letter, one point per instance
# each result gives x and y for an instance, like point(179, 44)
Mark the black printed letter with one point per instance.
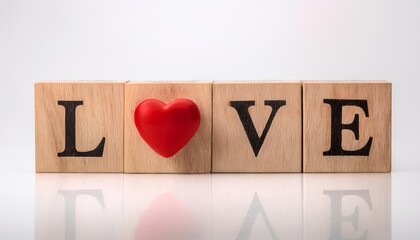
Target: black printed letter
point(242, 108)
point(70, 127)
point(337, 127)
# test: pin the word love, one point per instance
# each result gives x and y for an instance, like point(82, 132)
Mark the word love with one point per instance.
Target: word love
point(203, 127)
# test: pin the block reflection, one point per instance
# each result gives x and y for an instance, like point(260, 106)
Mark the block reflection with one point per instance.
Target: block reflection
point(213, 206)
point(257, 206)
point(79, 206)
point(167, 206)
point(347, 206)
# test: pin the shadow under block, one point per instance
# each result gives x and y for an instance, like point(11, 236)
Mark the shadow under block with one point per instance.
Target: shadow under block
point(257, 127)
point(79, 126)
point(195, 156)
point(347, 126)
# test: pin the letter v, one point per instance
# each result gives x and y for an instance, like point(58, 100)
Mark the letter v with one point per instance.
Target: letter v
point(242, 107)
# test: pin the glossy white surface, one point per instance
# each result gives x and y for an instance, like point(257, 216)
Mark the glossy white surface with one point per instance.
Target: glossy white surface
point(217, 206)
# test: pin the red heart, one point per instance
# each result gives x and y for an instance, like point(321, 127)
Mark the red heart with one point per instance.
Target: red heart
point(166, 128)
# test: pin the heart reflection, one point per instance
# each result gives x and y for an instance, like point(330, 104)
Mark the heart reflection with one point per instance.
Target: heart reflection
point(166, 218)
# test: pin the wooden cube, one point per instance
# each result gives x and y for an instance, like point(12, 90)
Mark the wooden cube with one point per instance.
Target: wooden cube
point(347, 206)
point(257, 206)
point(195, 156)
point(79, 126)
point(347, 126)
point(257, 127)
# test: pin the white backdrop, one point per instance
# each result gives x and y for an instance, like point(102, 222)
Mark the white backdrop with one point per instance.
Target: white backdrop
point(206, 40)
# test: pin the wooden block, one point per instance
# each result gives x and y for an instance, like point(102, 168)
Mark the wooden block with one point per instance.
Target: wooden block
point(79, 206)
point(79, 126)
point(166, 206)
point(347, 126)
point(257, 127)
point(347, 206)
point(195, 156)
point(257, 206)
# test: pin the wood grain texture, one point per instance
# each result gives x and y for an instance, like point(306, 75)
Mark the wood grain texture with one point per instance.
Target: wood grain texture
point(101, 115)
point(282, 148)
point(317, 126)
point(195, 157)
